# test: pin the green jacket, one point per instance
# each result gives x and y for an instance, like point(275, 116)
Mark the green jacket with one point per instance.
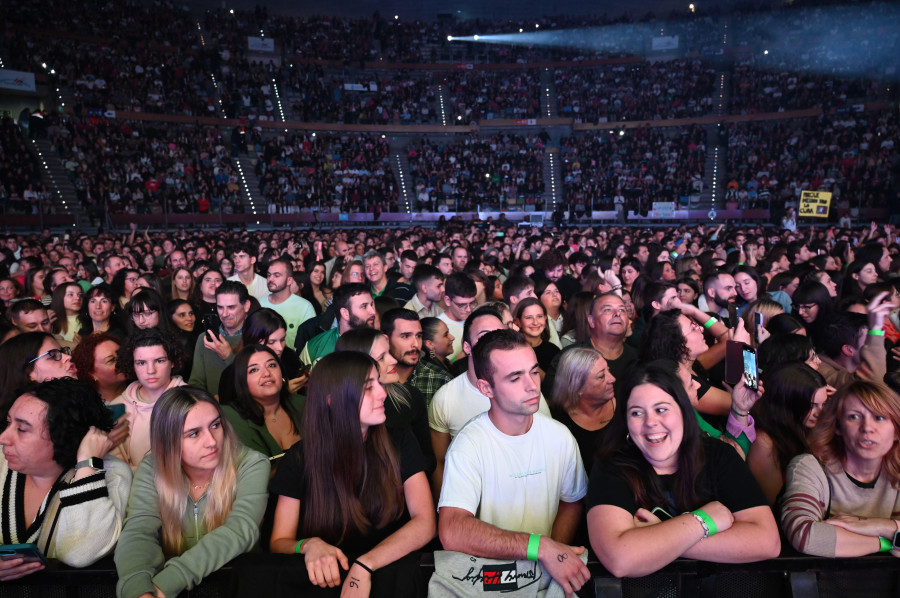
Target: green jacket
point(257, 437)
point(140, 561)
point(208, 366)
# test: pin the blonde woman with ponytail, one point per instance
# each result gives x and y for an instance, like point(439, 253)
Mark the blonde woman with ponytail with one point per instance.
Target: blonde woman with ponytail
point(199, 498)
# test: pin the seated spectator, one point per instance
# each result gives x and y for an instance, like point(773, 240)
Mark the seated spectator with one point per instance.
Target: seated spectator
point(660, 490)
point(60, 444)
point(150, 358)
point(265, 415)
point(840, 499)
point(352, 528)
point(197, 479)
point(29, 315)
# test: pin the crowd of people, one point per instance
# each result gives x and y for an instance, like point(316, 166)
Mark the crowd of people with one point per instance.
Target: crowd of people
point(478, 170)
point(851, 156)
point(607, 170)
point(358, 378)
point(348, 172)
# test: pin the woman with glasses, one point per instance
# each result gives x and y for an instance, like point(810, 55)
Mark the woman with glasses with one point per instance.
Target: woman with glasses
point(95, 358)
point(150, 358)
point(31, 357)
point(124, 283)
point(204, 300)
point(146, 310)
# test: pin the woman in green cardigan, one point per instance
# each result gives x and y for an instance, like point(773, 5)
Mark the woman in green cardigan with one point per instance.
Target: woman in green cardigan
point(265, 416)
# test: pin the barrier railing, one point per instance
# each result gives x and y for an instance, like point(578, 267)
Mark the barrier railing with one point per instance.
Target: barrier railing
point(791, 575)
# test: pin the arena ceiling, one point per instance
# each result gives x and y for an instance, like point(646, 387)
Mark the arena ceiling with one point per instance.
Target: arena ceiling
point(466, 9)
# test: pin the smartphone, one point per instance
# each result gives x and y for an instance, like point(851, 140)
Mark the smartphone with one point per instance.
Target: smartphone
point(117, 411)
point(30, 552)
point(209, 336)
point(661, 513)
point(304, 369)
point(732, 315)
point(759, 319)
point(741, 361)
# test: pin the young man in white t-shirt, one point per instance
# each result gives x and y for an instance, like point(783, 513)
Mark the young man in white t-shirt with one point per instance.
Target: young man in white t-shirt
point(519, 470)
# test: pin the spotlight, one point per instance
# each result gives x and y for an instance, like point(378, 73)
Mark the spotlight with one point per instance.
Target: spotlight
point(475, 38)
point(449, 38)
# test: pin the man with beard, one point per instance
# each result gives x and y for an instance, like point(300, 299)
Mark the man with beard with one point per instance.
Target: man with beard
point(719, 291)
point(405, 335)
point(354, 308)
point(294, 309)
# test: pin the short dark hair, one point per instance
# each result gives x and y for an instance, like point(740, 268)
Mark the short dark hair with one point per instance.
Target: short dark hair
point(260, 325)
point(243, 248)
point(390, 317)
point(424, 273)
point(149, 337)
point(24, 306)
point(409, 254)
point(460, 285)
point(284, 261)
point(495, 340)
point(72, 408)
point(484, 310)
point(842, 329)
point(515, 285)
point(234, 287)
point(345, 292)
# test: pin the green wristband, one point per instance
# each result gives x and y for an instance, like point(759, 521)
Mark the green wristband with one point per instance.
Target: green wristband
point(876, 333)
point(709, 323)
point(534, 540)
point(885, 545)
point(297, 547)
point(710, 524)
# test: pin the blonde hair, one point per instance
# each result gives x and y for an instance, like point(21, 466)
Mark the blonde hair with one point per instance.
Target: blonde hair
point(572, 374)
point(768, 308)
point(828, 445)
point(166, 433)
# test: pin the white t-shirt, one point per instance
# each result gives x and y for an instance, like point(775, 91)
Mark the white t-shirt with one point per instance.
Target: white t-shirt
point(458, 401)
point(513, 482)
point(257, 288)
point(295, 310)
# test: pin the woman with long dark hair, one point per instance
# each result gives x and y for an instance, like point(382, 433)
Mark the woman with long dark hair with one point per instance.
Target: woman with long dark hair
point(660, 490)
point(405, 407)
point(795, 395)
point(196, 481)
point(354, 500)
point(100, 313)
point(264, 414)
point(67, 301)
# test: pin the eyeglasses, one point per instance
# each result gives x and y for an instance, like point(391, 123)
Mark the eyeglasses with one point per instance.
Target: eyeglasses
point(54, 354)
point(468, 306)
point(806, 307)
point(143, 315)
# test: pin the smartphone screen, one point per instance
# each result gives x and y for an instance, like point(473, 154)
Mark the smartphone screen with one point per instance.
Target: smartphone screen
point(759, 319)
point(751, 372)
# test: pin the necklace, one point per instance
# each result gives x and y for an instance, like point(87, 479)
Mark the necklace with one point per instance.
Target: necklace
point(199, 486)
point(274, 417)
